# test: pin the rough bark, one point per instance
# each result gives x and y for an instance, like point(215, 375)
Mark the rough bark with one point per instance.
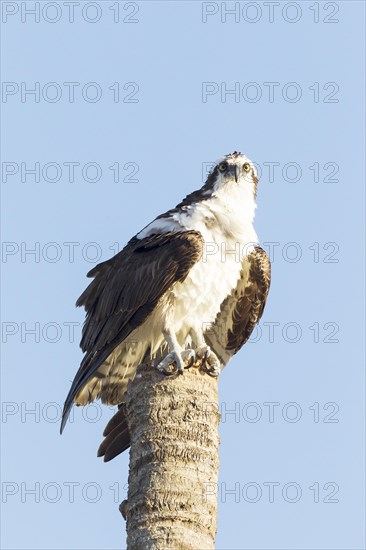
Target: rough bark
point(174, 461)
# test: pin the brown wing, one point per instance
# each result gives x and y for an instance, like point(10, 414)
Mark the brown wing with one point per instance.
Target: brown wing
point(125, 291)
point(241, 311)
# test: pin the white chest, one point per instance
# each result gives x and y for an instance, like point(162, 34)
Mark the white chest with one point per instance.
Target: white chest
point(226, 242)
point(226, 224)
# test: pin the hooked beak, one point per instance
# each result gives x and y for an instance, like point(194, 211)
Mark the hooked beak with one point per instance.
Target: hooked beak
point(236, 172)
point(233, 170)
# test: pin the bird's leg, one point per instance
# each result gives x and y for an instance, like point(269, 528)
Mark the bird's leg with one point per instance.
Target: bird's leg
point(176, 355)
point(210, 361)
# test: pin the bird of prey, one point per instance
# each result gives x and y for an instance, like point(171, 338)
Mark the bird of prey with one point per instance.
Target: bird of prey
point(189, 287)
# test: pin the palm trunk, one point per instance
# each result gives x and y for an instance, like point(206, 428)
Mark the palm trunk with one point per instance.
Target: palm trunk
point(174, 461)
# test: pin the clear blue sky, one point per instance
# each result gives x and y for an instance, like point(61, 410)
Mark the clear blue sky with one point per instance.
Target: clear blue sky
point(292, 453)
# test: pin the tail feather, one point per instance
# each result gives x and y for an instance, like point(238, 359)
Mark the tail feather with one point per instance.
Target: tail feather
point(118, 418)
point(117, 436)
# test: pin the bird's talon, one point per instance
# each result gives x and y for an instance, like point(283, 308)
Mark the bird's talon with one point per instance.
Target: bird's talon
point(174, 363)
point(191, 363)
point(170, 370)
point(213, 371)
point(209, 362)
point(167, 372)
point(205, 357)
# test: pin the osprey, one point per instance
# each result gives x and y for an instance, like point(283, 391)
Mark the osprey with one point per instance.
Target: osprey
point(189, 287)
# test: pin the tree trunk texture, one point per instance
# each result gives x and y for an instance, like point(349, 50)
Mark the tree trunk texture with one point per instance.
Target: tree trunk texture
point(174, 460)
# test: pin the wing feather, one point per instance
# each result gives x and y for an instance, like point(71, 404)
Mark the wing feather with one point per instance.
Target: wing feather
point(125, 291)
point(243, 308)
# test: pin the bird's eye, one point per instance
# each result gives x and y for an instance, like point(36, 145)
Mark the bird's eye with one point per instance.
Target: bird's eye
point(222, 166)
point(246, 166)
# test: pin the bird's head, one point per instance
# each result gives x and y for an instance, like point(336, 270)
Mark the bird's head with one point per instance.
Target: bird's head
point(232, 172)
